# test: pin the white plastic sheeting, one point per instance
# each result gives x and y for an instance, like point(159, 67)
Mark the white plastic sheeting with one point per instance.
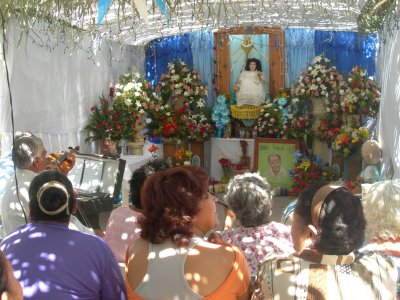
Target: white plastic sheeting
point(52, 91)
point(389, 123)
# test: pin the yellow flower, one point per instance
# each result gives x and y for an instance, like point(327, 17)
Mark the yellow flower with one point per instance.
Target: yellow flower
point(356, 90)
point(305, 165)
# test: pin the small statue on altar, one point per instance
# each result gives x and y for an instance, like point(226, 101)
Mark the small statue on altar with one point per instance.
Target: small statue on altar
point(244, 159)
point(251, 87)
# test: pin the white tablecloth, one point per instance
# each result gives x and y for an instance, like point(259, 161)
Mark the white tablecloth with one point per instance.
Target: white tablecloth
point(229, 148)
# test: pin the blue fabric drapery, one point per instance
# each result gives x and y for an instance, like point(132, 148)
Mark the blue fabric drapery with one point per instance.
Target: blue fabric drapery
point(299, 48)
point(162, 51)
point(347, 49)
point(202, 45)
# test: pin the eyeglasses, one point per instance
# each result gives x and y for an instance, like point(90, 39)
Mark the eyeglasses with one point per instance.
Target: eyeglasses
point(217, 200)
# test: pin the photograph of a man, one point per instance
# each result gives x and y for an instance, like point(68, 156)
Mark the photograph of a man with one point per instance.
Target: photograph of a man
point(276, 171)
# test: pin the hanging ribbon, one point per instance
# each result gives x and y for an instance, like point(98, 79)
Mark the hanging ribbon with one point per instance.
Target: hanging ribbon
point(102, 7)
point(142, 9)
point(163, 8)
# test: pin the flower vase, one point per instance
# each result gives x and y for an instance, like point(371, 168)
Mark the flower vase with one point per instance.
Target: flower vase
point(227, 173)
point(319, 147)
point(220, 132)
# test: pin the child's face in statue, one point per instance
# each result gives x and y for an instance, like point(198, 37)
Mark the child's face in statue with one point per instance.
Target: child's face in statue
point(252, 66)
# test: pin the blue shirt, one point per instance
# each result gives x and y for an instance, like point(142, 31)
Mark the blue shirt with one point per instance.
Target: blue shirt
point(53, 262)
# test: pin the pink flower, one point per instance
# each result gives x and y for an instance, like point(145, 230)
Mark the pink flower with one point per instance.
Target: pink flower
point(265, 123)
point(272, 120)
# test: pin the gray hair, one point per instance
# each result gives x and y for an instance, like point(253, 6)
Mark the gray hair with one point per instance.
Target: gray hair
point(382, 210)
point(249, 196)
point(26, 147)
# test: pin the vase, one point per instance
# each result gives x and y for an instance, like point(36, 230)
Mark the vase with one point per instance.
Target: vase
point(109, 147)
point(319, 147)
point(219, 132)
point(135, 148)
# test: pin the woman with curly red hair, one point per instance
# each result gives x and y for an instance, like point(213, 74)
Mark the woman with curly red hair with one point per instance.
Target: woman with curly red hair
point(171, 260)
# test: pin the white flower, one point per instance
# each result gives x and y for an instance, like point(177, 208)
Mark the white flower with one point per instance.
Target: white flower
point(269, 105)
point(309, 68)
point(168, 114)
point(173, 71)
point(128, 102)
point(186, 93)
point(295, 100)
point(371, 78)
point(162, 83)
point(129, 86)
point(162, 107)
point(148, 120)
point(302, 91)
point(166, 105)
point(118, 94)
point(178, 91)
point(363, 72)
point(138, 104)
point(171, 66)
point(341, 92)
point(314, 87)
point(350, 79)
point(316, 59)
point(328, 109)
point(200, 103)
point(141, 111)
point(290, 116)
point(136, 94)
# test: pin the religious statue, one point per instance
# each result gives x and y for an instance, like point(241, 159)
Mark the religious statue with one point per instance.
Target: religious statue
point(251, 87)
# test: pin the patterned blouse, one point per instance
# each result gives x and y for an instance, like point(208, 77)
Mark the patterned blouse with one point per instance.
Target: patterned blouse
point(257, 242)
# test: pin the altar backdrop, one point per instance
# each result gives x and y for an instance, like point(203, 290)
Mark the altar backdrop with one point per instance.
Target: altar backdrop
point(345, 49)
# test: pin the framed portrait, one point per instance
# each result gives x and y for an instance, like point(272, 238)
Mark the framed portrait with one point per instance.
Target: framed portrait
point(274, 160)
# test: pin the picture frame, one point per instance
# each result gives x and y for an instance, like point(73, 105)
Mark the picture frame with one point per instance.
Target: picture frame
point(274, 160)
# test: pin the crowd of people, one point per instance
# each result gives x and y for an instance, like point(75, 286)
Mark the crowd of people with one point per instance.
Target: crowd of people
point(338, 246)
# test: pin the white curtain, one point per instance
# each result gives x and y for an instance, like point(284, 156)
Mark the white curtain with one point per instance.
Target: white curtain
point(52, 91)
point(388, 72)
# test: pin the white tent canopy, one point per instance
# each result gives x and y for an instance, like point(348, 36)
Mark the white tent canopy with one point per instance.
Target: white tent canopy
point(57, 72)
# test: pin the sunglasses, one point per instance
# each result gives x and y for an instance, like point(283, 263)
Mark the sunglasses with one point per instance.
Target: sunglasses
point(217, 200)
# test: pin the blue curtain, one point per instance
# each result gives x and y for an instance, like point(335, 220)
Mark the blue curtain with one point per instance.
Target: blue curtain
point(202, 43)
point(162, 51)
point(347, 49)
point(299, 48)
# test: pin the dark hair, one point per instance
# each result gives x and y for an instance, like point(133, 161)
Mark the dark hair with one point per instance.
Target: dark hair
point(139, 176)
point(49, 191)
point(258, 64)
point(341, 222)
point(170, 201)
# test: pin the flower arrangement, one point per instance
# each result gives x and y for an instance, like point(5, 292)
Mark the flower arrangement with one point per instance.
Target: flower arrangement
point(349, 140)
point(308, 170)
point(115, 120)
point(153, 151)
point(314, 80)
point(269, 123)
point(299, 121)
point(183, 113)
point(363, 94)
